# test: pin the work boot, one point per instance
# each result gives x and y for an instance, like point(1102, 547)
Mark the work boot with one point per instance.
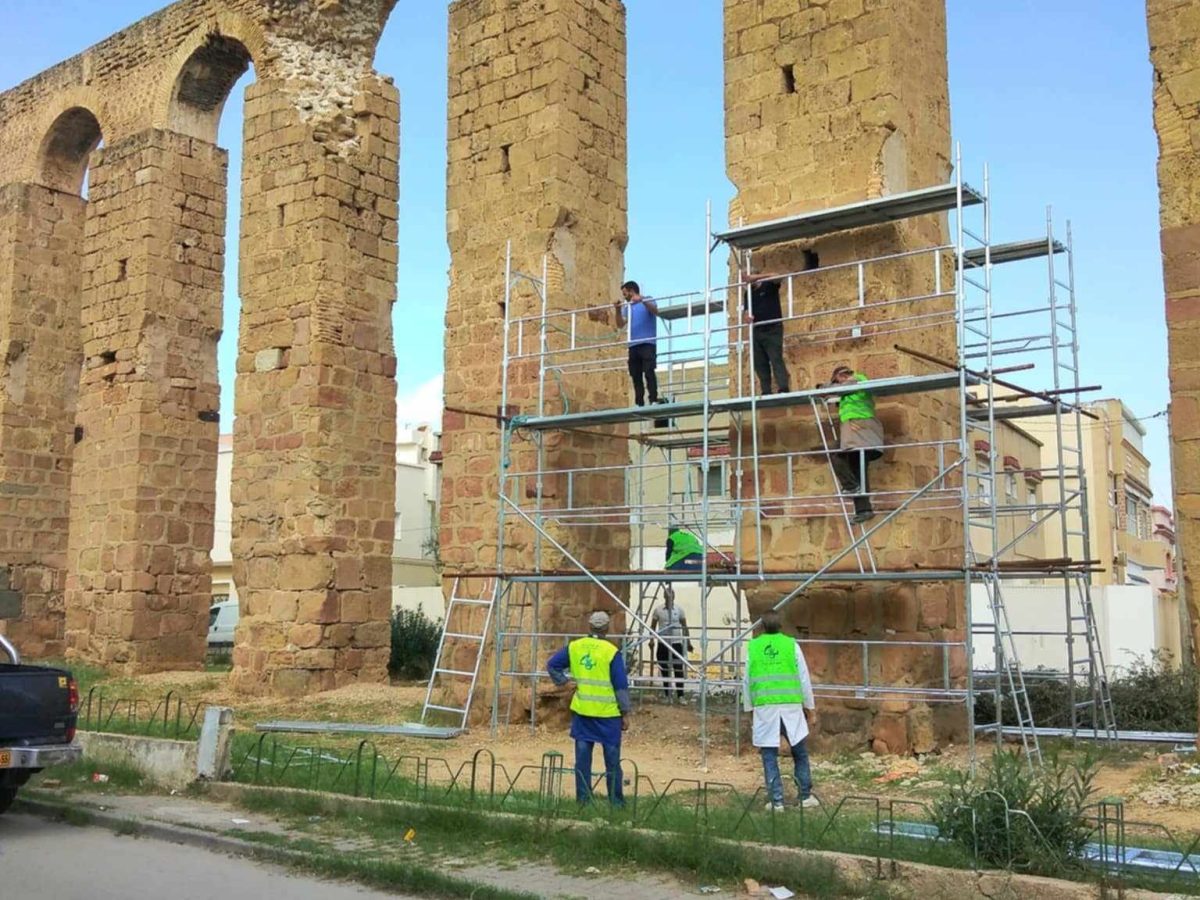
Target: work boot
point(862, 510)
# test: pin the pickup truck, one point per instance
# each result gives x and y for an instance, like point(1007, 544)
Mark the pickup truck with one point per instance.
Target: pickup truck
point(39, 706)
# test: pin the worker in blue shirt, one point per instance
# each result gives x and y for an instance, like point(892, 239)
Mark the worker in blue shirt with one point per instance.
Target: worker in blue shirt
point(641, 314)
point(600, 707)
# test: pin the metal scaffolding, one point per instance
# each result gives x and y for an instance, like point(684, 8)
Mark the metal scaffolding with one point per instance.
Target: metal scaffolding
point(711, 421)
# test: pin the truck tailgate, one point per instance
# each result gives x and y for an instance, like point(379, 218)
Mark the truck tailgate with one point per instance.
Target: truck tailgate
point(35, 706)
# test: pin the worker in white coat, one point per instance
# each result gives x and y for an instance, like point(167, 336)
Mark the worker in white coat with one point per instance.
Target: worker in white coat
point(778, 690)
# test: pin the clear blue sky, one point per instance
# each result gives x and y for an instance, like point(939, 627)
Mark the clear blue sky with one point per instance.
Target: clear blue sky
point(1054, 96)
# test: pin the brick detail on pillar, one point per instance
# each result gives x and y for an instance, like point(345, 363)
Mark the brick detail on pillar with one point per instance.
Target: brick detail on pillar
point(828, 104)
point(537, 137)
point(314, 438)
point(1175, 55)
point(40, 234)
point(142, 495)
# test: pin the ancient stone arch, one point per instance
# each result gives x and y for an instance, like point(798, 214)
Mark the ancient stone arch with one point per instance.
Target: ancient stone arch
point(66, 148)
point(106, 497)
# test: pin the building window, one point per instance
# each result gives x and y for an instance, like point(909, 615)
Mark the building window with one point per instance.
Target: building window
point(984, 488)
point(1010, 487)
point(1032, 500)
point(715, 486)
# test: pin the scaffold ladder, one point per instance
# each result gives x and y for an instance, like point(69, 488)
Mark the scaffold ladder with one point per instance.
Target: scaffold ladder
point(461, 613)
point(516, 625)
point(1008, 670)
point(1091, 668)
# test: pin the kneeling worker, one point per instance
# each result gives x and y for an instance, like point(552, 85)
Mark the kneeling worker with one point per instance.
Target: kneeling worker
point(684, 550)
point(860, 437)
point(600, 707)
point(778, 690)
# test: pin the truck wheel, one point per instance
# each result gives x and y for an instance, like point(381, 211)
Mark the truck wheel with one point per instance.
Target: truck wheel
point(7, 796)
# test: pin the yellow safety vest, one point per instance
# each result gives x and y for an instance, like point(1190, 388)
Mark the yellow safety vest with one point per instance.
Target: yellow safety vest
point(594, 693)
point(774, 674)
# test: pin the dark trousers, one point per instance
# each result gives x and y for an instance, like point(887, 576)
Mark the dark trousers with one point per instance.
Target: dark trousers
point(671, 666)
point(642, 360)
point(612, 772)
point(768, 358)
point(850, 466)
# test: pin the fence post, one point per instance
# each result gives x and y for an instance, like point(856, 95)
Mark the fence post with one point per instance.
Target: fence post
point(216, 738)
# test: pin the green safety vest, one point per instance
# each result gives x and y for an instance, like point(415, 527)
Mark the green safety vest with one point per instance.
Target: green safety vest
point(594, 693)
point(859, 405)
point(774, 674)
point(683, 545)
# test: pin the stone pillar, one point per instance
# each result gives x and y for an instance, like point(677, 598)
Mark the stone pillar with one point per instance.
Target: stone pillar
point(142, 491)
point(40, 234)
point(314, 438)
point(536, 156)
point(1175, 54)
point(828, 104)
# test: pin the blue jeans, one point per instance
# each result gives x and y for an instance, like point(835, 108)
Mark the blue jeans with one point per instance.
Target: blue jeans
point(802, 775)
point(612, 772)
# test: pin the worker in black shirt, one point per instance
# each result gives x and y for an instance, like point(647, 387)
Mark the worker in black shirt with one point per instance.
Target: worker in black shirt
point(767, 344)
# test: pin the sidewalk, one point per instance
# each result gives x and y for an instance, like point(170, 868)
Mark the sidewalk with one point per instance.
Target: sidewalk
point(225, 827)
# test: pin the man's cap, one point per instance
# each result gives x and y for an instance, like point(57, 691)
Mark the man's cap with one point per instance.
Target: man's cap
point(598, 620)
point(838, 370)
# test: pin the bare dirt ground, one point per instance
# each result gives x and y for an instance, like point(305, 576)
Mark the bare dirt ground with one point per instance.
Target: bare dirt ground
point(663, 743)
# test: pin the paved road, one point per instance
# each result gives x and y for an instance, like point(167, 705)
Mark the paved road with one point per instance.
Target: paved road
point(41, 860)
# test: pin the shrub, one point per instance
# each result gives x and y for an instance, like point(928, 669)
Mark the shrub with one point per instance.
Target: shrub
point(1017, 817)
point(414, 644)
point(1151, 695)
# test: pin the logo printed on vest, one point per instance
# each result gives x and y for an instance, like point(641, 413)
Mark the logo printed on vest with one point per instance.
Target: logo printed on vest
point(587, 662)
point(770, 651)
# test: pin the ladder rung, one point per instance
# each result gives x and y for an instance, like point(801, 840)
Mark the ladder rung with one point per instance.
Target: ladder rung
point(453, 709)
point(453, 672)
point(471, 600)
point(468, 637)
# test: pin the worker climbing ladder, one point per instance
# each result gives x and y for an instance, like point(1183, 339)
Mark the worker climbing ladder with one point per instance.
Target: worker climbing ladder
point(827, 428)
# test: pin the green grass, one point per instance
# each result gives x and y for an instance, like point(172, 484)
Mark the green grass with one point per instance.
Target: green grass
point(271, 839)
point(686, 809)
point(123, 776)
point(696, 855)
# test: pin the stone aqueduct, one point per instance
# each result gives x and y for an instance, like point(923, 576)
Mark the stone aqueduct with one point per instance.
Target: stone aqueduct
point(110, 307)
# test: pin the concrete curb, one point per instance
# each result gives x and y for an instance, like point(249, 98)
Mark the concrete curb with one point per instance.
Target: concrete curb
point(161, 831)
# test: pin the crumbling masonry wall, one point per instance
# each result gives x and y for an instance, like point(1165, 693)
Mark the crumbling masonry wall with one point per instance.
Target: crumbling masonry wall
point(1174, 29)
point(537, 156)
point(39, 375)
point(828, 103)
point(314, 446)
point(314, 440)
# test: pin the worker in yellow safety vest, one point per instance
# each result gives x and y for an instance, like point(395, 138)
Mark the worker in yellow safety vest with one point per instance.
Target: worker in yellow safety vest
point(778, 690)
point(600, 707)
point(860, 439)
